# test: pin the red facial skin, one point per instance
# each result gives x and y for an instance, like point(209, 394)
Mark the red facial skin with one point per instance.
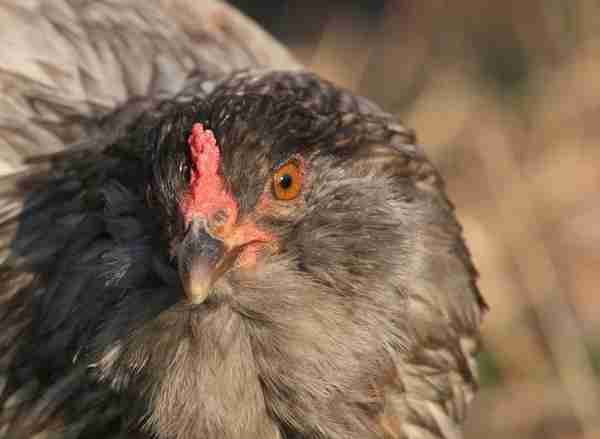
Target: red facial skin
point(208, 195)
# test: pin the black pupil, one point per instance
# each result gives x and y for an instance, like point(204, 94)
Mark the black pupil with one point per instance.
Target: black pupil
point(285, 181)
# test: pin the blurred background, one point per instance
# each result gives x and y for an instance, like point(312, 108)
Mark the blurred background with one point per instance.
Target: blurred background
point(505, 97)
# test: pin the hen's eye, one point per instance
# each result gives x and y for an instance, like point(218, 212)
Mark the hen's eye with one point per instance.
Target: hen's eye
point(287, 181)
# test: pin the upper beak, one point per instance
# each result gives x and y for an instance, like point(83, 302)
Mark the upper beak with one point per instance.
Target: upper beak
point(201, 260)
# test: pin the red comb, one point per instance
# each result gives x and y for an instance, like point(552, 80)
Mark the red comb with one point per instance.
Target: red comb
point(207, 192)
point(205, 152)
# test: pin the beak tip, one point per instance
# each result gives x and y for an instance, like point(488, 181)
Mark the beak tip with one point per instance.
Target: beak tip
point(197, 299)
point(197, 291)
point(198, 258)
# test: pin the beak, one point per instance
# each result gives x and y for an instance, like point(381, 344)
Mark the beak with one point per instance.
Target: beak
point(201, 260)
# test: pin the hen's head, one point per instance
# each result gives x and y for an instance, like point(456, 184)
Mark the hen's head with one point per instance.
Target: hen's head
point(324, 288)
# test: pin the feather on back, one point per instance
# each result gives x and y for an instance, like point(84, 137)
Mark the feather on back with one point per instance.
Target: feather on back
point(67, 63)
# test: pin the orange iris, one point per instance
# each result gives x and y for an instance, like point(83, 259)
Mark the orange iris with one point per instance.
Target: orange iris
point(287, 181)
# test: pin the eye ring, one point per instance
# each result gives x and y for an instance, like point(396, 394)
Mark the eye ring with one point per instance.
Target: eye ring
point(287, 181)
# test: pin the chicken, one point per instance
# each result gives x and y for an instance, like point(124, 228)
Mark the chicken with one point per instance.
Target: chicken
point(255, 253)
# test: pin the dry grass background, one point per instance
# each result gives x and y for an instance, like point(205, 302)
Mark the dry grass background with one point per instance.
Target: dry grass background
point(506, 98)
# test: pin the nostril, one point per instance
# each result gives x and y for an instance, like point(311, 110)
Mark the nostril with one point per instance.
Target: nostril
point(217, 223)
point(219, 218)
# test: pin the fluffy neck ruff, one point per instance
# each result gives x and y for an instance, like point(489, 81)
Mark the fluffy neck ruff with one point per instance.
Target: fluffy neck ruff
point(196, 375)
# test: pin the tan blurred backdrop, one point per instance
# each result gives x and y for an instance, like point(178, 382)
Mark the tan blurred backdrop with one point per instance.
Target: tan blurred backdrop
point(505, 96)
